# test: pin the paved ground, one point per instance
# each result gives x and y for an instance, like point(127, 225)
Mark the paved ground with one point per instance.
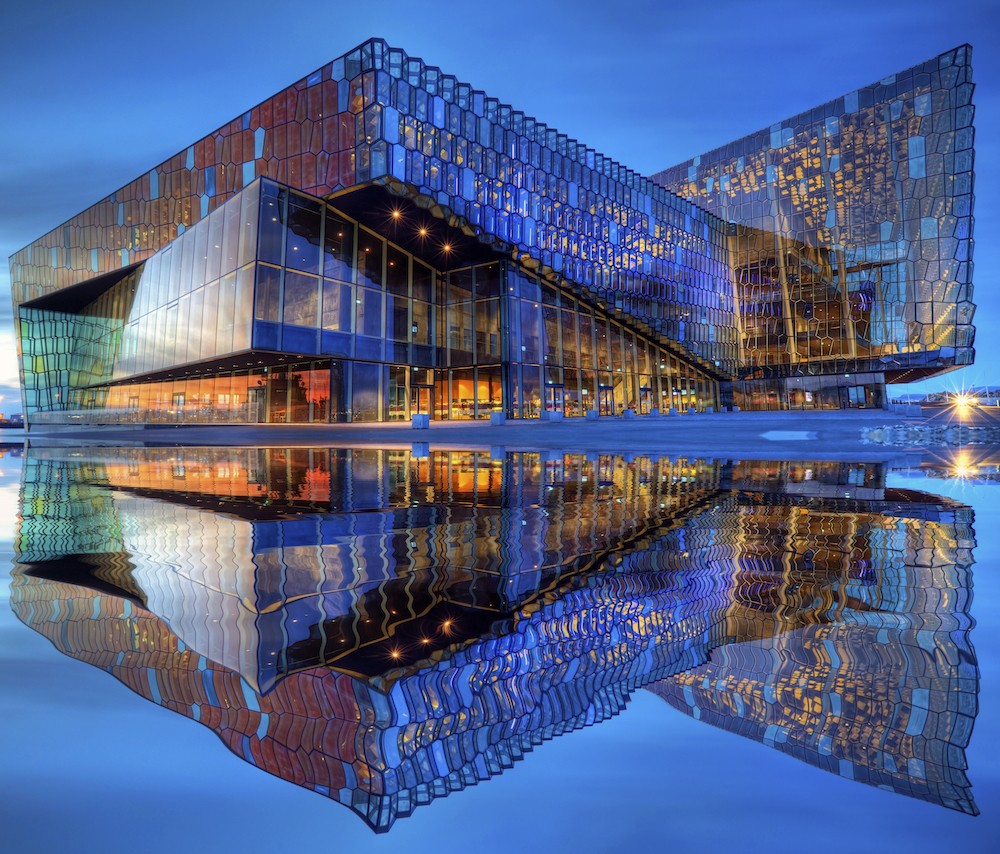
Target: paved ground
point(742, 435)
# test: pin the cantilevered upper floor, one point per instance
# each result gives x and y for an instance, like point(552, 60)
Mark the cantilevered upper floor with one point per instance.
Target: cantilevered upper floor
point(377, 116)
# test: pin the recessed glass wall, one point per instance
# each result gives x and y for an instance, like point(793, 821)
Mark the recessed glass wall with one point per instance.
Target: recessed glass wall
point(67, 357)
point(566, 356)
point(844, 391)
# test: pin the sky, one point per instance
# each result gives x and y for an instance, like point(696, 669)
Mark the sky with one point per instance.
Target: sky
point(95, 93)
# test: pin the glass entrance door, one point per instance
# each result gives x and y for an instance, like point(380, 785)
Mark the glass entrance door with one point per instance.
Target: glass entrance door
point(421, 402)
point(606, 400)
point(854, 397)
point(398, 376)
point(257, 398)
point(554, 398)
point(645, 400)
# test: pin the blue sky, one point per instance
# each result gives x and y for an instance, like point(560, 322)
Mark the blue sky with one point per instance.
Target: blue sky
point(96, 93)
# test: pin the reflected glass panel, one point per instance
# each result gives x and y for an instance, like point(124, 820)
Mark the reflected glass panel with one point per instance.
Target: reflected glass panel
point(338, 306)
point(302, 246)
point(338, 247)
point(448, 598)
point(301, 303)
point(369, 259)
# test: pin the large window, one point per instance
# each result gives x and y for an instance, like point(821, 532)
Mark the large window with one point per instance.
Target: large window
point(301, 303)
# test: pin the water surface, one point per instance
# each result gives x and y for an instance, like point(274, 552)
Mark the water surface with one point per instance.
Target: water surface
point(411, 648)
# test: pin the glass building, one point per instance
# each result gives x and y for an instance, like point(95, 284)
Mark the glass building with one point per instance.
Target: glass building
point(850, 239)
point(381, 240)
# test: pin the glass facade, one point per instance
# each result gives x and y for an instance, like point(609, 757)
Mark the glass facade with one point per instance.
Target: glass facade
point(380, 239)
point(852, 240)
point(279, 308)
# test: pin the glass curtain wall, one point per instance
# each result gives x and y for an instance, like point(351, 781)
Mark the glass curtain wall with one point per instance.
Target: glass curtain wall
point(568, 357)
point(346, 326)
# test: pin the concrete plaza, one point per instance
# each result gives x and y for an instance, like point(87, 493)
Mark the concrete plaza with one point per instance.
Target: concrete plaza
point(830, 435)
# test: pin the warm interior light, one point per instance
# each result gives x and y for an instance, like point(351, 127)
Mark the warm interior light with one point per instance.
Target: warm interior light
point(422, 232)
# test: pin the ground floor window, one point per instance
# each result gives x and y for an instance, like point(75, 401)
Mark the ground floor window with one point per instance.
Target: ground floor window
point(836, 391)
point(340, 390)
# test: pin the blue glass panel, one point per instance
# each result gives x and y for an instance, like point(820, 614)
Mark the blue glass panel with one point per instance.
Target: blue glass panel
point(266, 336)
point(368, 348)
point(299, 339)
point(336, 343)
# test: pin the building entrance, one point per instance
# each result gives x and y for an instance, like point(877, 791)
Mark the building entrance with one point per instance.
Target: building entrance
point(860, 397)
point(606, 400)
point(257, 404)
point(554, 398)
point(422, 401)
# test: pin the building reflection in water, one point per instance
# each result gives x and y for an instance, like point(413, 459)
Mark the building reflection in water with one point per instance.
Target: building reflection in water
point(385, 627)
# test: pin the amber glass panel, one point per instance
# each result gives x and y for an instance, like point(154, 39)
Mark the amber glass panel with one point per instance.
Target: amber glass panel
point(277, 395)
point(489, 392)
point(531, 391)
point(463, 395)
point(298, 396)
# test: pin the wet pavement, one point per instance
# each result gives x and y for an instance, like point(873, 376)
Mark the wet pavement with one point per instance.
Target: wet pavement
point(833, 435)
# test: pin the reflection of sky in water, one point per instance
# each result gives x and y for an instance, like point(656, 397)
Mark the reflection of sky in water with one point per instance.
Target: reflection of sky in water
point(647, 778)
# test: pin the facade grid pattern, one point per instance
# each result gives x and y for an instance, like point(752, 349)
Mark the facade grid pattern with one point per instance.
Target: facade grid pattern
point(811, 263)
